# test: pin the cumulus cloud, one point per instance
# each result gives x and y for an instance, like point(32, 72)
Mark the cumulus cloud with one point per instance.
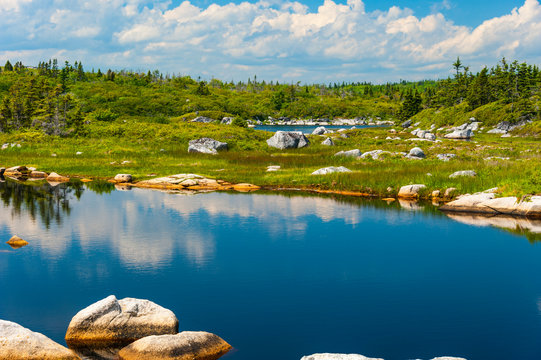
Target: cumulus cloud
point(277, 41)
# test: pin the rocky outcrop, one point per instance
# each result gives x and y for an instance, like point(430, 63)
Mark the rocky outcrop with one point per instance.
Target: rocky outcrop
point(410, 191)
point(350, 153)
point(188, 345)
point(460, 134)
point(111, 321)
point(487, 203)
point(331, 170)
point(123, 178)
point(16, 242)
point(288, 140)
point(19, 343)
point(203, 119)
point(206, 146)
point(337, 357)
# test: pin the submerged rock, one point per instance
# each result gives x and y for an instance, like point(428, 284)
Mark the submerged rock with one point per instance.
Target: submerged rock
point(337, 357)
point(288, 140)
point(331, 170)
point(188, 345)
point(410, 191)
point(111, 321)
point(19, 343)
point(16, 242)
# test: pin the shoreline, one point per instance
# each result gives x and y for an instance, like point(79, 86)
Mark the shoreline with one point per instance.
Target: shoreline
point(484, 203)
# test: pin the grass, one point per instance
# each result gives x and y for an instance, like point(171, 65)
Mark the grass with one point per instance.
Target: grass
point(161, 149)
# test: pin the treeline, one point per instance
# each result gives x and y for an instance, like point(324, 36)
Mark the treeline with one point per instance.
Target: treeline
point(60, 99)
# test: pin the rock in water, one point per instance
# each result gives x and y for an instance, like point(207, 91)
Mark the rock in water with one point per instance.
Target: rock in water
point(410, 191)
point(288, 140)
point(448, 358)
point(337, 357)
point(188, 345)
point(19, 343)
point(54, 177)
point(111, 321)
point(124, 178)
point(16, 242)
point(331, 170)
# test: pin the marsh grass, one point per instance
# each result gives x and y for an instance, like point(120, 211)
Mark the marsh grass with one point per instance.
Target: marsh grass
point(160, 149)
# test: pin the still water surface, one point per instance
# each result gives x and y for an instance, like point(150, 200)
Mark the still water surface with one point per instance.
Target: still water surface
point(307, 129)
point(278, 276)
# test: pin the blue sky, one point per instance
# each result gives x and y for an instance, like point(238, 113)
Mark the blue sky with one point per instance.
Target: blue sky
point(308, 41)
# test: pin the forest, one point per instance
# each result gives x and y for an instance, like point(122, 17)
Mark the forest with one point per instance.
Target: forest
point(61, 99)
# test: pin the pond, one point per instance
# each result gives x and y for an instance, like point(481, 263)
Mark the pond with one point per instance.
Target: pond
point(277, 275)
point(308, 129)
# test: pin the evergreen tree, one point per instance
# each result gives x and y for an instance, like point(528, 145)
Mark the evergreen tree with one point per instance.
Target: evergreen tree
point(8, 66)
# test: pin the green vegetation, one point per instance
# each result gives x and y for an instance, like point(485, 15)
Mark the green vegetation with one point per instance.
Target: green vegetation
point(126, 122)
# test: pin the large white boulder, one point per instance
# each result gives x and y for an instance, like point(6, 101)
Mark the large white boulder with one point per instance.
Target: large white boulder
point(112, 321)
point(188, 345)
point(19, 343)
point(319, 131)
point(206, 146)
point(463, 173)
point(411, 191)
point(288, 140)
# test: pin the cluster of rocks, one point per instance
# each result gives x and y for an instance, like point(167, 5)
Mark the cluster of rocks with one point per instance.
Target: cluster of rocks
point(424, 134)
point(328, 356)
point(505, 127)
point(114, 329)
point(8, 145)
point(183, 182)
point(22, 172)
point(464, 131)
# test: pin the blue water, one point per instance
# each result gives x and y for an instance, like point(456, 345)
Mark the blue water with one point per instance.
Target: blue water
point(278, 276)
point(305, 128)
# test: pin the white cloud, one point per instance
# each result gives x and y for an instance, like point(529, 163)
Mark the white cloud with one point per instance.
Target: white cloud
point(12, 5)
point(267, 38)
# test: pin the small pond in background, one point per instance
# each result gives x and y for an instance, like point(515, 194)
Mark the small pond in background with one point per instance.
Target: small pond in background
point(277, 275)
point(308, 129)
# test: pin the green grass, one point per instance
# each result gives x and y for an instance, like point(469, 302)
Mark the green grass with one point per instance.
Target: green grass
point(161, 149)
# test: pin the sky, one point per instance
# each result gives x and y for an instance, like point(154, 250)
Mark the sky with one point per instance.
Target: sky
point(287, 41)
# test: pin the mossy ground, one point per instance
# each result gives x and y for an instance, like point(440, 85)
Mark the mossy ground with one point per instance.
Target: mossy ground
point(143, 149)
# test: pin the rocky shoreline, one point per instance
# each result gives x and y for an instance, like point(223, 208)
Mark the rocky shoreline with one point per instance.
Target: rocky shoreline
point(479, 203)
